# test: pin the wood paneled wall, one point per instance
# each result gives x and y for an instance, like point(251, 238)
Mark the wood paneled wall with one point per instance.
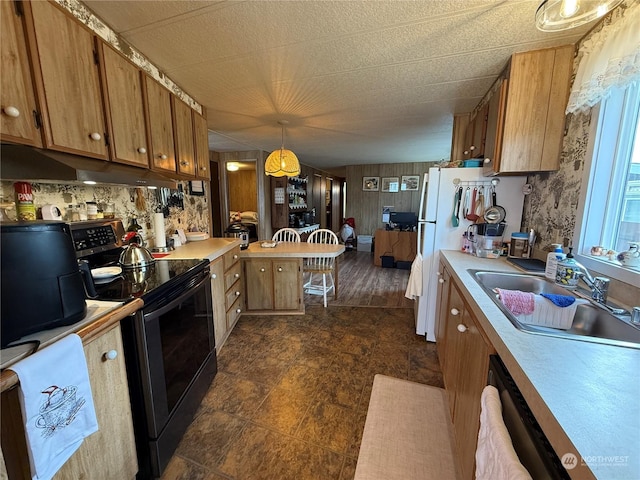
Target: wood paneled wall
point(366, 207)
point(243, 194)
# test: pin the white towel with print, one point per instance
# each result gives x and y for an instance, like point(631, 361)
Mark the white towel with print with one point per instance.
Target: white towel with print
point(495, 457)
point(414, 286)
point(57, 405)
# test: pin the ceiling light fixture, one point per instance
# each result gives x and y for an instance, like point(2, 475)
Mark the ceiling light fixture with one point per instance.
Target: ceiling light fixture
point(232, 167)
point(282, 162)
point(557, 15)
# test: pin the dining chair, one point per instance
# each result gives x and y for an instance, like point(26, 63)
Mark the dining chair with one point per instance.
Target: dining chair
point(286, 235)
point(322, 267)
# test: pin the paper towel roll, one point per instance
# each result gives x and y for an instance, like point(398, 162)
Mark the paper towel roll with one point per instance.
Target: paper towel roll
point(158, 226)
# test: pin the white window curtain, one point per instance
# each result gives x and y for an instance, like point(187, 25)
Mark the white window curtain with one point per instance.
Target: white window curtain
point(611, 58)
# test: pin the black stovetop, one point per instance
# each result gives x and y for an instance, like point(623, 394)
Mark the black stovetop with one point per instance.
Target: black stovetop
point(148, 282)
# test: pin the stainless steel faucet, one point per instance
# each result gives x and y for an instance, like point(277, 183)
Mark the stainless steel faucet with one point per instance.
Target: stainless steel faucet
point(599, 290)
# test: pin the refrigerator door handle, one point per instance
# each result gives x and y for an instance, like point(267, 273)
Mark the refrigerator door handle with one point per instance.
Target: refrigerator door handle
point(423, 198)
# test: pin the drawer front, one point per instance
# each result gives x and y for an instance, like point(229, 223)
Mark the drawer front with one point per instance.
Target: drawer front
point(231, 257)
point(232, 295)
point(232, 276)
point(234, 313)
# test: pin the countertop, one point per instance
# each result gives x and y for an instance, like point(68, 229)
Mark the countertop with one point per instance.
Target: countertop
point(211, 248)
point(100, 316)
point(585, 396)
point(293, 250)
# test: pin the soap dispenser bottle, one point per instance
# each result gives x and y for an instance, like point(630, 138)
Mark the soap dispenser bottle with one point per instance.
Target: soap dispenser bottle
point(553, 257)
point(568, 271)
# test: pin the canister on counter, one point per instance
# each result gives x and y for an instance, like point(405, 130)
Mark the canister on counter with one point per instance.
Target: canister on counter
point(25, 208)
point(519, 246)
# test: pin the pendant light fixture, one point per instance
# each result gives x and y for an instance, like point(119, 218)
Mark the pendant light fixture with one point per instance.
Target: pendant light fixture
point(282, 162)
point(557, 15)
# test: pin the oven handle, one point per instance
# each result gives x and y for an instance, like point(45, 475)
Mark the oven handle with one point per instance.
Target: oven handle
point(173, 303)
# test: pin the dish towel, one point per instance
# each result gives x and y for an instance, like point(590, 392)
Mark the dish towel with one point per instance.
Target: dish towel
point(517, 302)
point(414, 285)
point(547, 314)
point(495, 457)
point(57, 405)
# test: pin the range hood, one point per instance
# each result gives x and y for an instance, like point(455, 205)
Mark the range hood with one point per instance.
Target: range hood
point(20, 162)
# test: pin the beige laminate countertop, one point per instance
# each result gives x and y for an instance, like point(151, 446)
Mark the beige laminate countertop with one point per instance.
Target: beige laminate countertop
point(293, 249)
point(585, 396)
point(210, 249)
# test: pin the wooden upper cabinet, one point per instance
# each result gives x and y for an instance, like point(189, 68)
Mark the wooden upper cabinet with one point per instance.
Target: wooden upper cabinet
point(459, 143)
point(66, 72)
point(201, 134)
point(533, 104)
point(17, 98)
point(183, 135)
point(158, 105)
point(122, 86)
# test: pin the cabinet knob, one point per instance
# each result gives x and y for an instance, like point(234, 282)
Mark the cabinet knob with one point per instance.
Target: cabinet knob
point(213, 275)
point(441, 280)
point(262, 269)
point(462, 328)
point(237, 275)
point(438, 273)
point(238, 310)
point(472, 148)
point(235, 256)
point(237, 293)
point(204, 169)
point(487, 160)
point(184, 163)
point(110, 355)
point(12, 112)
point(279, 269)
point(142, 150)
point(95, 136)
point(455, 311)
point(162, 156)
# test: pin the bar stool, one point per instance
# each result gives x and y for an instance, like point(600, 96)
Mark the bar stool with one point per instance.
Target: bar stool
point(286, 235)
point(320, 266)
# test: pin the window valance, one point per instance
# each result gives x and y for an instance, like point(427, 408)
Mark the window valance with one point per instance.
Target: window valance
point(610, 59)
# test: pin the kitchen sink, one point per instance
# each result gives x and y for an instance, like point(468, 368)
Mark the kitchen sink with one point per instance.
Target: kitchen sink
point(591, 323)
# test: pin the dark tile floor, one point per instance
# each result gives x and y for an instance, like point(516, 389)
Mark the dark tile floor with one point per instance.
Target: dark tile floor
point(291, 394)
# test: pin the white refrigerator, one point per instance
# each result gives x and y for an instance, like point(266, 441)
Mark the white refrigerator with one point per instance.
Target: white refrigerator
point(436, 230)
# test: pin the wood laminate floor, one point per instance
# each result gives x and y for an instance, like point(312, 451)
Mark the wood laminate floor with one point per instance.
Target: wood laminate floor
point(291, 394)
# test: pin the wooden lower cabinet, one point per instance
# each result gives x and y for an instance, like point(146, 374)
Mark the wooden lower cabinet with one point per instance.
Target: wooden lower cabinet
point(106, 454)
point(465, 358)
point(226, 290)
point(273, 285)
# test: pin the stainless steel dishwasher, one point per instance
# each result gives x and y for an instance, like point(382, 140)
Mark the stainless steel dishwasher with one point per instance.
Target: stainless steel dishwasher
point(529, 442)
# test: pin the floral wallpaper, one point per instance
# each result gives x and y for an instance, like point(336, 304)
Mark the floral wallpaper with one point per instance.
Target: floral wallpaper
point(552, 206)
point(129, 202)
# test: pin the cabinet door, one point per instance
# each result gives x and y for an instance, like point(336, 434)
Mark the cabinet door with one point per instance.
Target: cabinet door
point(158, 105)
point(471, 380)
point(183, 134)
point(287, 285)
point(110, 452)
point(73, 112)
point(218, 296)
point(452, 360)
point(458, 140)
point(479, 132)
point(258, 284)
point(495, 126)
point(122, 85)
point(441, 313)
point(201, 134)
point(18, 116)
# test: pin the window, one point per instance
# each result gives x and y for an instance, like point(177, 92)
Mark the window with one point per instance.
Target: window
point(611, 201)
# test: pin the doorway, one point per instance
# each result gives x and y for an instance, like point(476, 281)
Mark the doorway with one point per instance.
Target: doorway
point(328, 193)
point(214, 195)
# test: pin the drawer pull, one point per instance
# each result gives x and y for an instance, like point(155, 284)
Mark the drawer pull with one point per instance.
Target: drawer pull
point(238, 310)
point(235, 256)
point(95, 136)
point(237, 275)
point(487, 160)
point(279, 269)
point(162, 156)
point(142, 150)
point(237, 293)
point(441, 280)
point(262, 269)
point(110, 355)
point(455, 311)
point(462, 328)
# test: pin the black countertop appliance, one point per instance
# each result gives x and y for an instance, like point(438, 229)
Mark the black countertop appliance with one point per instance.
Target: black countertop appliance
point(42, 286)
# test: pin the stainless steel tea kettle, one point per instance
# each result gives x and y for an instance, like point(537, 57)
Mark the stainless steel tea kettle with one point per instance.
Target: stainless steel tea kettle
point(135, 255)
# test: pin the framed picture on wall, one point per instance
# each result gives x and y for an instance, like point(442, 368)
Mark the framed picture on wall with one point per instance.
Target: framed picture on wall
point(390, 184)
point(410, 182)
point(370, 184)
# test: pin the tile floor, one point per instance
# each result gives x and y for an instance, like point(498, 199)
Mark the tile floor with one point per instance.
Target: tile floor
point(291, 394)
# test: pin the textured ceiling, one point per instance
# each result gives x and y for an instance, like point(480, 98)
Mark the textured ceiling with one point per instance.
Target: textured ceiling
point(358, 81)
